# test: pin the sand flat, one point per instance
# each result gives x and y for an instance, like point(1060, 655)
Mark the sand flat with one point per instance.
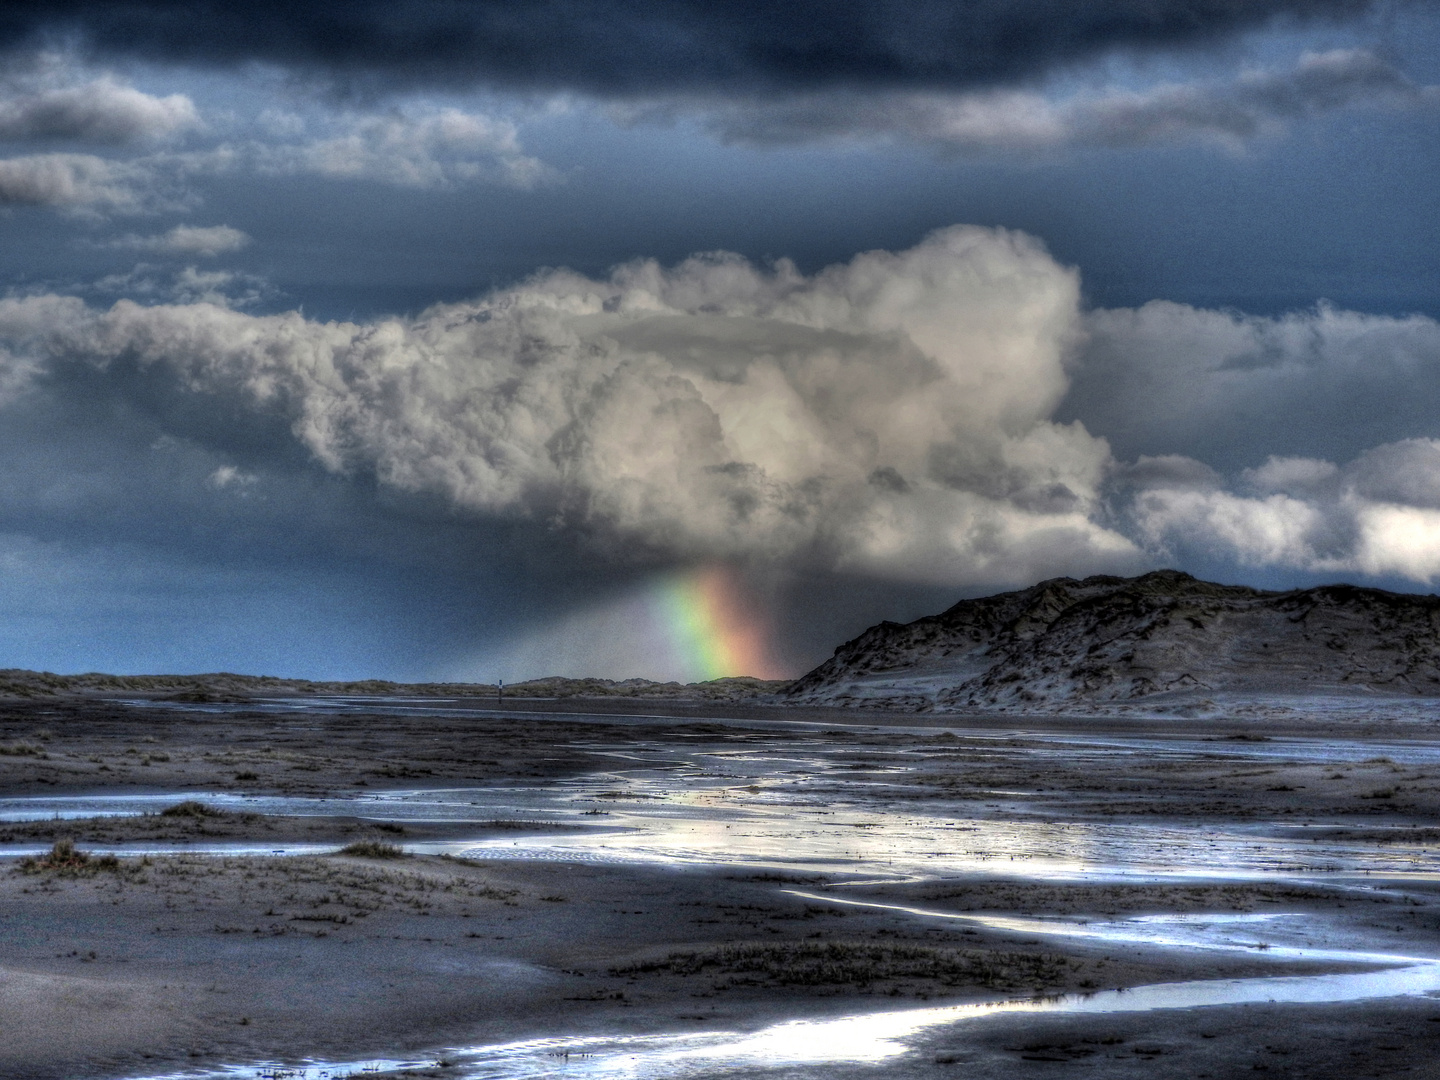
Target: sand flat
point(617, 921)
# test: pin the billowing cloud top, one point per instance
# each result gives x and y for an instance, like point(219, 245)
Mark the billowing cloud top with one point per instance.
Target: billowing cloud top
point(645, 46)
point(894, 416)
point(889, 415)
point(943, 416)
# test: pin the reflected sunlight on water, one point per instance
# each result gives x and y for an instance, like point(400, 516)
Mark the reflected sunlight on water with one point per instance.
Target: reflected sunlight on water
point(864, 1038)
point(720, 800)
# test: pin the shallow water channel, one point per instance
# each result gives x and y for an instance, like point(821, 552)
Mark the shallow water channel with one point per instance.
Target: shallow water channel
point(774, 804)
point(795, 803)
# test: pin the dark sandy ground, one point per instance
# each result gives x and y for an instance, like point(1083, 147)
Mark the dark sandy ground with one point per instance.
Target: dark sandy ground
point(93, 744)
point(193, 958)
point(150, 964)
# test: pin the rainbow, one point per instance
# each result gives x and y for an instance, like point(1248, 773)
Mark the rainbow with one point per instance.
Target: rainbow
point(710, 628)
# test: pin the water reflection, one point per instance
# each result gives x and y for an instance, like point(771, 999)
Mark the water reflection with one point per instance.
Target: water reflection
point(865, 1039)
point(742, 800)
point(411, 804)
point(1277, 936)
point(716, 802)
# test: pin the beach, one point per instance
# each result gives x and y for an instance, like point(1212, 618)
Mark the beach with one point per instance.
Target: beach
point(577, 872)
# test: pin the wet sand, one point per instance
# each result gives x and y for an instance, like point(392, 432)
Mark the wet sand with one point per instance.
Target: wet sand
point(177, 960)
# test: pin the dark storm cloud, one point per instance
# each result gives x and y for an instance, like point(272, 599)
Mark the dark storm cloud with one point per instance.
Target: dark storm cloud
point(618, 47)
point(144, 527)
point(1229, 111)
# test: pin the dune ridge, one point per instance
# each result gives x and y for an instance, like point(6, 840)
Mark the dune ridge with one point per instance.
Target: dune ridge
point(1161, 637)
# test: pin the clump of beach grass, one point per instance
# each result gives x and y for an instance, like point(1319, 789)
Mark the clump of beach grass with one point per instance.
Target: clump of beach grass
point(191, 808)
point(373, 849)
point(69, 861)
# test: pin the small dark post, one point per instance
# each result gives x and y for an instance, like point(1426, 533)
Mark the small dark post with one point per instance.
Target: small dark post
point(500, 692)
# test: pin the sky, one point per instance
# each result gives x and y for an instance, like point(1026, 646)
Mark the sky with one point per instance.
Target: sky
point(478, 339)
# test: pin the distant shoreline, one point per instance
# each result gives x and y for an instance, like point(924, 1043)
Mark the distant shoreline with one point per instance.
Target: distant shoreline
point(224, 686)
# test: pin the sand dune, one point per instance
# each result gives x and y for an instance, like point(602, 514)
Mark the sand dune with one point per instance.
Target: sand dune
point(1164, 638)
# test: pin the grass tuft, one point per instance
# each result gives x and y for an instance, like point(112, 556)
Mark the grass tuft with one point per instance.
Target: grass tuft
point(373, 849)
point(192, 808)
point(69, 861)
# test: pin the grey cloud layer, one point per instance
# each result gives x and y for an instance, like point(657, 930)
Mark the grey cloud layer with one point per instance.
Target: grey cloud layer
point(1363, 390)
point(98, 110)
point(1251, 104)
point(206, 241)
point(1232, 389)
point(1377, 515)
point(411, 142)
point(81, 182)
point(427, 148)
point(433, 148)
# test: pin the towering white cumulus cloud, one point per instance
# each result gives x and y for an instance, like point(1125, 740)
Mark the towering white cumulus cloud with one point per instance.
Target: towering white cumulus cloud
point(889, 415)
point(893, 416)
